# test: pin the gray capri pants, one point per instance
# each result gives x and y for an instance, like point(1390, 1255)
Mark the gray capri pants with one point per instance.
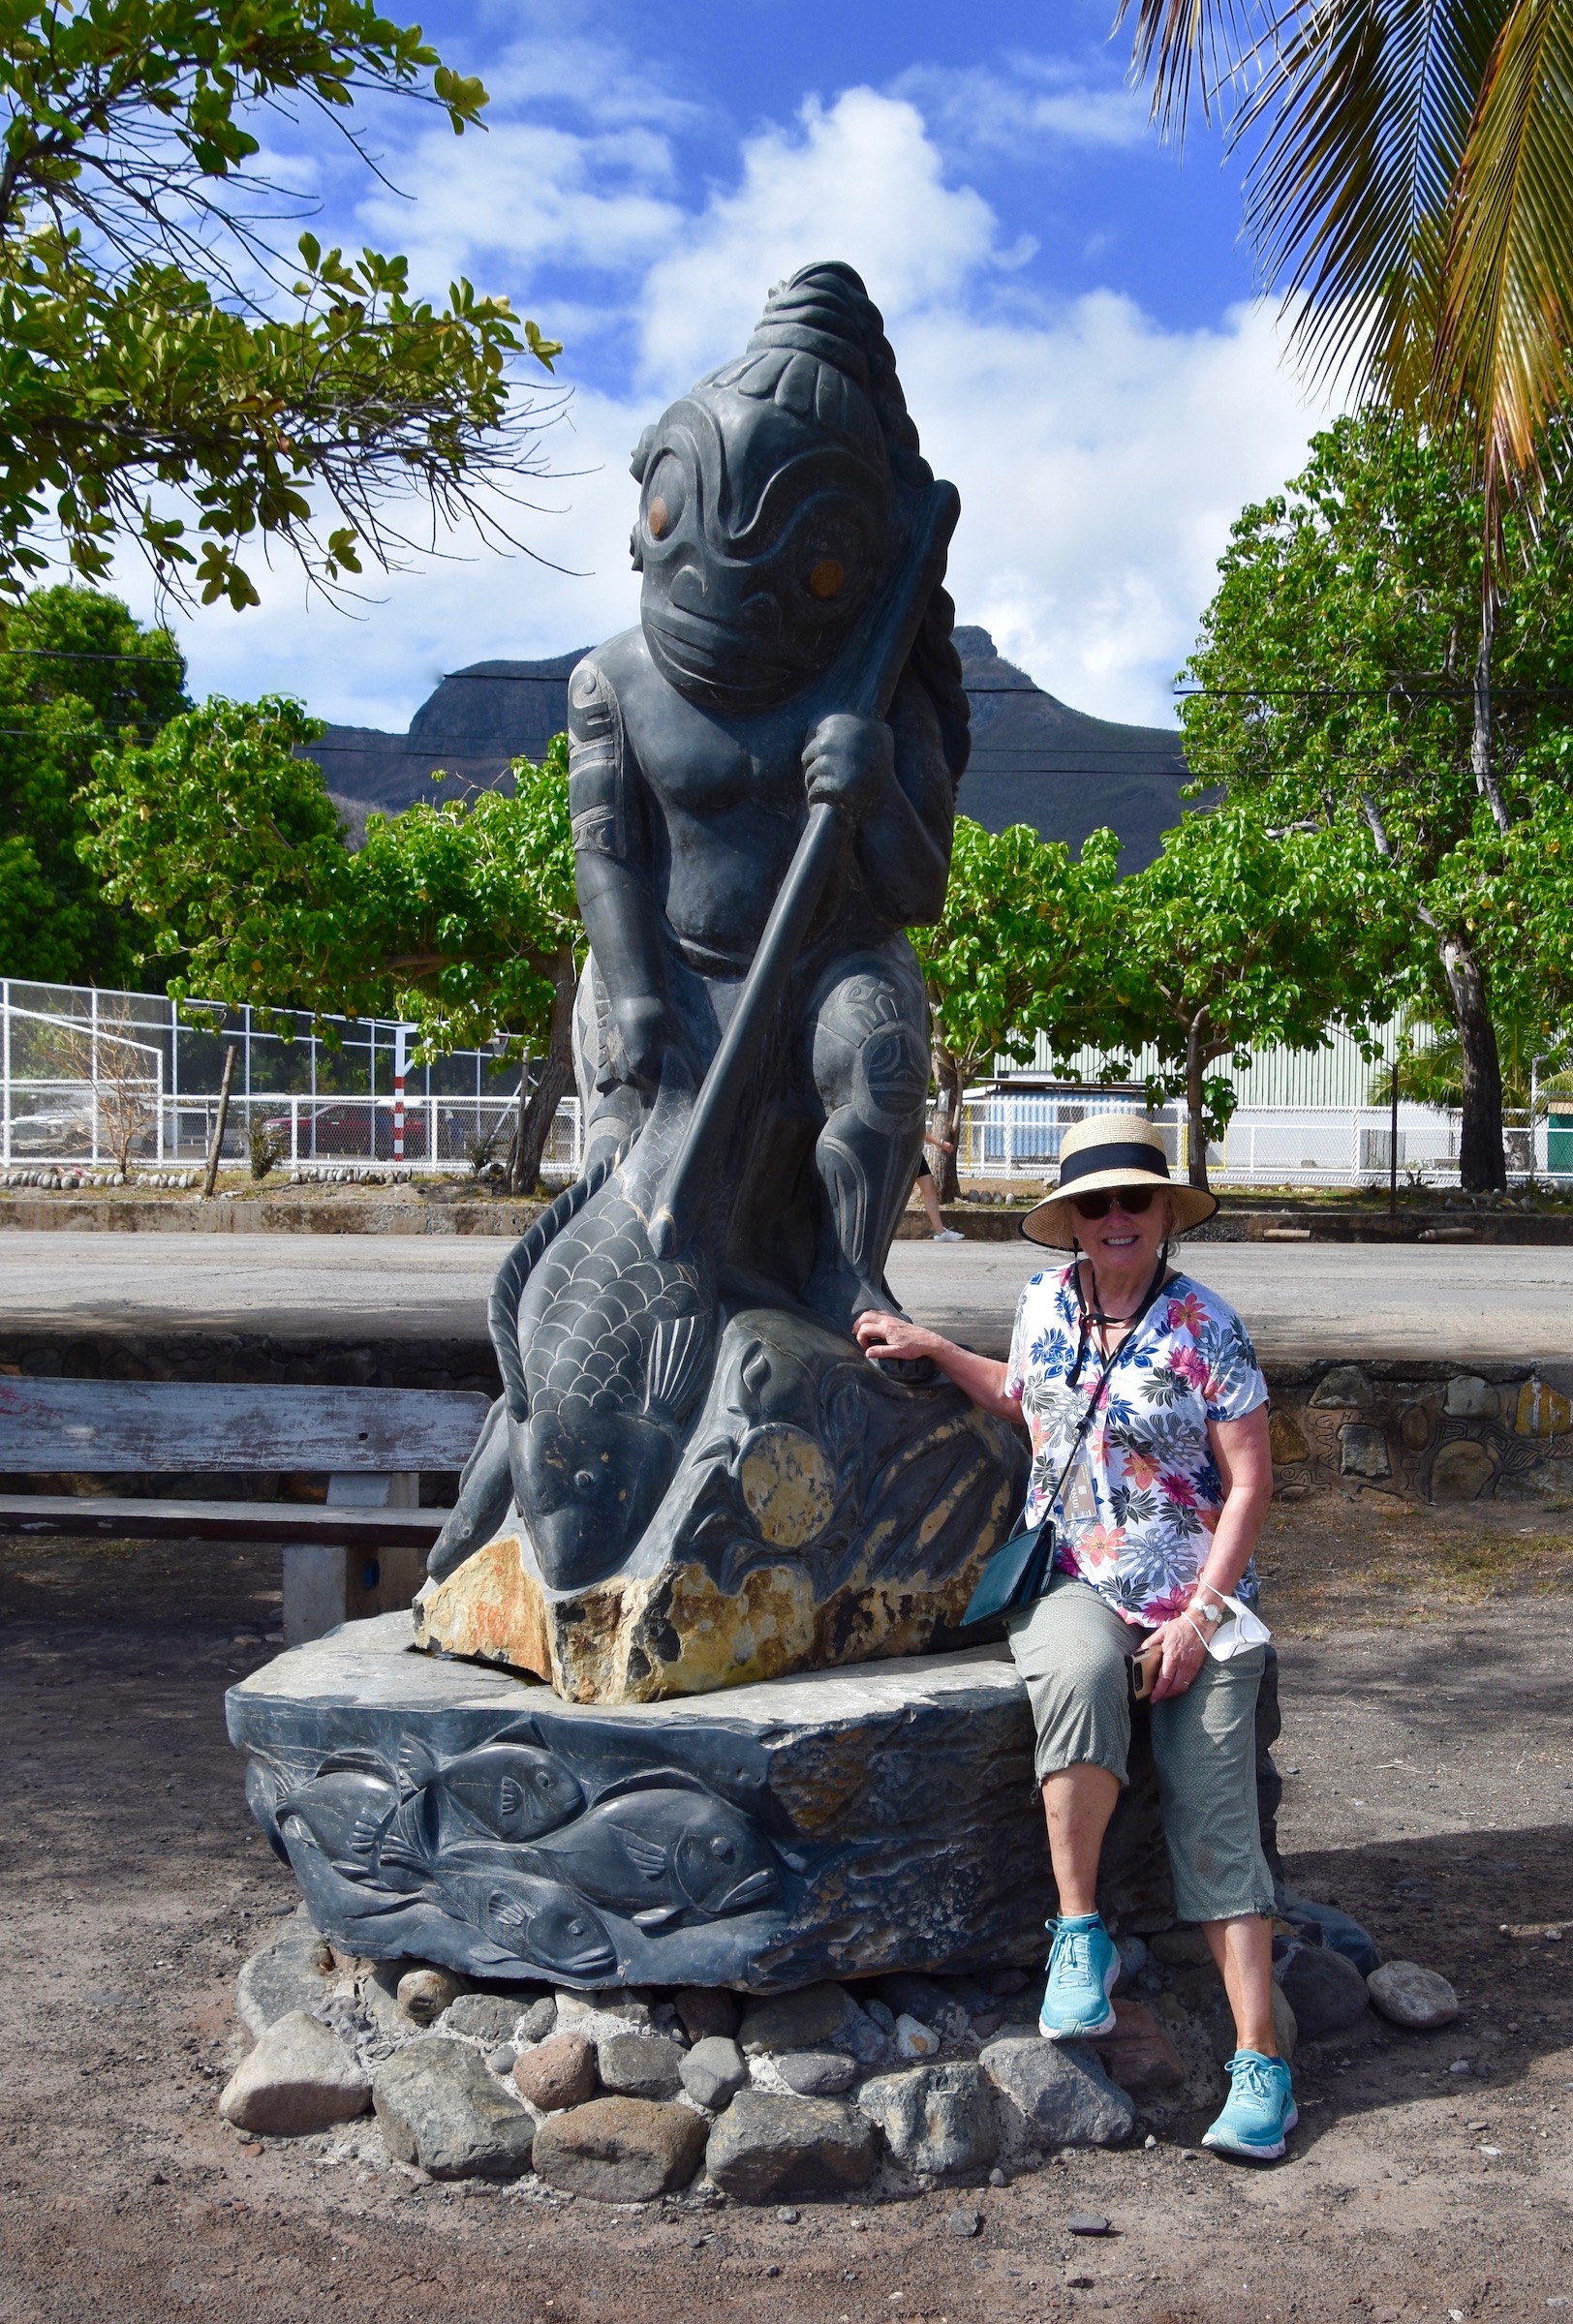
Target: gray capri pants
point(1074, 1652)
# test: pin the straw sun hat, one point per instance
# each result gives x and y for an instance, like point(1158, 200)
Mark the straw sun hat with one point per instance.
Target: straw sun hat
point(1102, 1154)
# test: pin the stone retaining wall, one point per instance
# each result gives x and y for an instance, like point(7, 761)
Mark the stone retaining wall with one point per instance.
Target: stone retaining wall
point(1425, 1431)
point(1439, 1432)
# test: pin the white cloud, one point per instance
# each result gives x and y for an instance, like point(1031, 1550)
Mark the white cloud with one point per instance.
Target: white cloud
point(1031, 104)
point(1100, 457)
point(860, 180)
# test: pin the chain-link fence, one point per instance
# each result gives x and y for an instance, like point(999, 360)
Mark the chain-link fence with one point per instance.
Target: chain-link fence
point(1017, 1134)
point(130, 1080)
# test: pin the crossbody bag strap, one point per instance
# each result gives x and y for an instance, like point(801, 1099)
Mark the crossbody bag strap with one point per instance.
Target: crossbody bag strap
point(1154, 1290)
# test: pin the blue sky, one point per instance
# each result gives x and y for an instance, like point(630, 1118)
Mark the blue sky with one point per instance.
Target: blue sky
point(1070, 304)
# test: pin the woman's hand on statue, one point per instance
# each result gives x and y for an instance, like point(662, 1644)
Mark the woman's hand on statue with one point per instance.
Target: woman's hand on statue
point(1183, 1654)
point(640, 1031)
point(879, 1335)
point(847, 763)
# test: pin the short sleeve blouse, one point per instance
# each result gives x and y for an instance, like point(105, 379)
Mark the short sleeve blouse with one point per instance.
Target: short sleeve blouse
point(1142, 1500)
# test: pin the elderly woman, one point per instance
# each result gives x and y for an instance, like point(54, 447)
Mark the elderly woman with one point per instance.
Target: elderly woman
point(1148, 1416)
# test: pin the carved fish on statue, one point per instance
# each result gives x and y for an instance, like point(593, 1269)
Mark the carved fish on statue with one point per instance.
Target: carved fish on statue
point(517, 1790)
point(528, 1917)
point(346, 1811)
point(664, 1849)
point(603, 1350)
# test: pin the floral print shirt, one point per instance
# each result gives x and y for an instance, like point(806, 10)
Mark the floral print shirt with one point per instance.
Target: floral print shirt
point(1139, 1504)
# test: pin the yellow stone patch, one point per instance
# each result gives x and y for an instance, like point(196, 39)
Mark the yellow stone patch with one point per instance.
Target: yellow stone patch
point(786, 1484)
point(1541, 1411)
point(1286, 1439)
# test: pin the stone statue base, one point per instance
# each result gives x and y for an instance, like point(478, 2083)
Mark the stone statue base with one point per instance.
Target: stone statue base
point(824, 1825)
point(822, 1513)
point(829, 1824)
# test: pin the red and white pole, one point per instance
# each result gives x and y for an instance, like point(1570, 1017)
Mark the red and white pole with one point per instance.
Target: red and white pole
point(399, 1031)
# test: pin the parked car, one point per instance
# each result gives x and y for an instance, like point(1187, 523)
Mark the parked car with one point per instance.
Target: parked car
point(343, 1130)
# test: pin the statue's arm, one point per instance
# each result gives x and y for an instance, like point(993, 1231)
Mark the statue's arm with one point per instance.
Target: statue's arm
point(611, 857)
point(891, 780)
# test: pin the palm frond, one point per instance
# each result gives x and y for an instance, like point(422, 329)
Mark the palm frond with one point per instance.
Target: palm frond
point(1191, 48)
point(1506, 323)
point(1364, 114)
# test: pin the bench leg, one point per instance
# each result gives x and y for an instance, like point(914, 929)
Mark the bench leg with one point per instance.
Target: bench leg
point(324, 1586)
point(315, 1576)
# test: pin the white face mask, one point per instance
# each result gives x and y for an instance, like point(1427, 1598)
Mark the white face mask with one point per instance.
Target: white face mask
point(1243, 1630)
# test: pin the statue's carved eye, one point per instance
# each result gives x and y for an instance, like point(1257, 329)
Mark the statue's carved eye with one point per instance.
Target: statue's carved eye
point(827, 578)
point(585, 1480)
point(665, 496)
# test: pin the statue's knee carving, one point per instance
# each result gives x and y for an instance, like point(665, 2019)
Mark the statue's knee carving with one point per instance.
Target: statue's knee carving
point(871, 1069)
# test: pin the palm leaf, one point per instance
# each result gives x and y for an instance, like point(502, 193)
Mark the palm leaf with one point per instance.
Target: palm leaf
point(1364, 115)
point(1506, 323)
point(1173, 38)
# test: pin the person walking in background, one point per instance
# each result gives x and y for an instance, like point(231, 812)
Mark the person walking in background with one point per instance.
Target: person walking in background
point(1148, 1415)
point(928, 1193)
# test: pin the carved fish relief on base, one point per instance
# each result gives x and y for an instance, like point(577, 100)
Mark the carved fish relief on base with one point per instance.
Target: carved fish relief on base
point(511, 1841)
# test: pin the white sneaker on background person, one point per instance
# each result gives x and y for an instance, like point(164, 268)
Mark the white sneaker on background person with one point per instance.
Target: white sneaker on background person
point(951, 1234)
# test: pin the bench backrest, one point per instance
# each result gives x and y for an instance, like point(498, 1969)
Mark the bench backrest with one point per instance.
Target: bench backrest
point(112, 1426)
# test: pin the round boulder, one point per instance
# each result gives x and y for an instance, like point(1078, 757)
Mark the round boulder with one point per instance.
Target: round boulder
point(766, 2147)
point(621, 2150)
point(1407, 1995)
point(1326, 1992)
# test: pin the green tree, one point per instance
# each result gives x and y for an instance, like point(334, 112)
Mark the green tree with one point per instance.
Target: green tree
point(470, 910)
point(76, 671)
point(1237, 935)
point(1014, 955)
point(164, 374)
point(460, 917)
point(1339, 684)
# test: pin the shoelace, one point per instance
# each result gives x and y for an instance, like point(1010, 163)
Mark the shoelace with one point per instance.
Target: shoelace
point(1253, 2078)
point(1070, 1958)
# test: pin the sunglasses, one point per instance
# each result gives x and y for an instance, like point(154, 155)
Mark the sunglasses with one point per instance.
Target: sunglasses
point(1132, 1201)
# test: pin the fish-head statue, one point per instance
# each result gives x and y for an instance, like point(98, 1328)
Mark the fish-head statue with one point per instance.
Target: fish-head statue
point(770, 511)
point(591, 1479)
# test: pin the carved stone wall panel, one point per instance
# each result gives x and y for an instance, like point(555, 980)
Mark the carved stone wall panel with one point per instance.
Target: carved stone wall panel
point(819, 1825)
point(1451, 1435)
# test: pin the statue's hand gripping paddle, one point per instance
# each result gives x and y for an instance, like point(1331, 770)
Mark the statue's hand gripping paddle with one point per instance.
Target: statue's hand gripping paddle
point(898, 617)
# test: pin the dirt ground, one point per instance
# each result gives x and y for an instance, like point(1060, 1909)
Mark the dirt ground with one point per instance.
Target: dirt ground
point(1428, 1776)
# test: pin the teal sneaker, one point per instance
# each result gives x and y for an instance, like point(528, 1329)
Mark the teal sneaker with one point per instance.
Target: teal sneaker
point(1083, 1966)
point(1260, 2111)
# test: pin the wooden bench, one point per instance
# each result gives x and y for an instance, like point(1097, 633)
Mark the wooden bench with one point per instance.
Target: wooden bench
point(361, 1552)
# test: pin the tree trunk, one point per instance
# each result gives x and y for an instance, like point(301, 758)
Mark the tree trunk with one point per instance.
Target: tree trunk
point(1482, 1162)
point(1480, 740)
point(946, 1132)
point(556, 1074)
point(1195, 1100)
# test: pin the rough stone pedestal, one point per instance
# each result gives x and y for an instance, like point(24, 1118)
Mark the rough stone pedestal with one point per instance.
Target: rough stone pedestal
point(817, 1825)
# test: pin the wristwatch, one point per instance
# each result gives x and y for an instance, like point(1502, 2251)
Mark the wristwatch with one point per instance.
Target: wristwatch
point(1208, 1611)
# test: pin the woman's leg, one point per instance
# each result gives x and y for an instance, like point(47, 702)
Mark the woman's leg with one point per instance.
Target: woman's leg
point(1242, 1949)
point(1205, 1745)
point(1070, 1649)
point(930, 1201)
point(1077, 1803)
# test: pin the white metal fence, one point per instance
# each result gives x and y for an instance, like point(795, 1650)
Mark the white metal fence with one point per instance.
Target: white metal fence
point(95, 1080)
point(1016, 1134)
point(128, 1081)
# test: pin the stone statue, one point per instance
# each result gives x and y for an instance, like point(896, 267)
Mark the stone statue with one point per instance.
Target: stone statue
point(694, 1477)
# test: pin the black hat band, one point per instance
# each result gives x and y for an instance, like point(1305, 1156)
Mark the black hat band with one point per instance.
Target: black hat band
point(1151, 1160)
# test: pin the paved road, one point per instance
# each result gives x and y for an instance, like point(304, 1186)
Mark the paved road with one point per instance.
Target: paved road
point(1300, 1300)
